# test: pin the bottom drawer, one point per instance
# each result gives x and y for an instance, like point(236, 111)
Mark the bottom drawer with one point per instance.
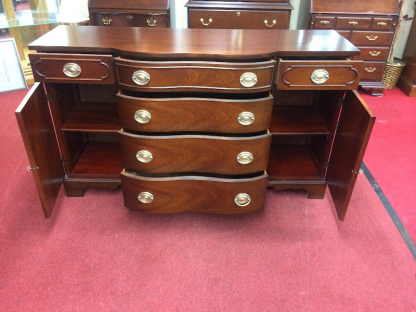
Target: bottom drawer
point(193, 193)
point(373, 71)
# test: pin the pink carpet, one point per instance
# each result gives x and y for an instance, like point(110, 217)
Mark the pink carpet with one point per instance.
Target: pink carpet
point(96, 255)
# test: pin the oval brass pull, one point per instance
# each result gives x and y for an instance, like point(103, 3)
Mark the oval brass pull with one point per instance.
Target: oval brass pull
point(141, 77)
point(374, 53)
point(144, 156)
point(151, 22)
point(238, 13)
point(142, 116)
point(372, 37)
point(106, 20)
point(242, 199)
point(206, 24)
point(319, 76)
point(245, 158)
point(72, 70)
point(145, 197)
point(353, 23)
point(274, 23)
point(245, 118)
point(324, 22)
point(381, 24)
point(370, 69)
point(248, 79)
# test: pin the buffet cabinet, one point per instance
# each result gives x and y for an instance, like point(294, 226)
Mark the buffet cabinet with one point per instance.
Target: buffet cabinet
point(369, 25)
point(194, 124)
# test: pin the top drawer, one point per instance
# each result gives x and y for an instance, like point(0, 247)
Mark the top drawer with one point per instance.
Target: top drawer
point(353, 23)
point(72, 68)
point(130, 20)
point(195, 76)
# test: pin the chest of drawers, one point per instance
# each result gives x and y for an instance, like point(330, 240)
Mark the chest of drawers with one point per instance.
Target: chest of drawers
point(369, 25)
point(193, 123)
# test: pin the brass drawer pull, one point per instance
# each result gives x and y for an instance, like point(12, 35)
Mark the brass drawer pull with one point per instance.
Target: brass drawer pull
point(129, 17)
point(266, 23)
point(141, 77)
point(238, 13)
point(248, 79)
point(206, 24)
point(106, 20)
point(145, 197)
point(72, 70)
point(245, 118)
point(382, 24)
point(144, 156)
point(242, 199)
point(319, 76)
point(324, 22)
point(142, 116)
point(353, 23)
point(372, 37)
point(370, 69)
point(374, 53)
point(151, 22)
point(245, 158)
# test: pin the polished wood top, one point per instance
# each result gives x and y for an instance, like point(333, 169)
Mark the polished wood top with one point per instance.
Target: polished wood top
point(390, 7)
point(198, 43)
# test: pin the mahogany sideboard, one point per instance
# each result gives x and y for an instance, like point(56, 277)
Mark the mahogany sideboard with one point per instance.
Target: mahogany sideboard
point(197, 120)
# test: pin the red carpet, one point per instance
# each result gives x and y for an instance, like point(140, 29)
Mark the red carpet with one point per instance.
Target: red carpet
point(391, 152)
point(96, 255)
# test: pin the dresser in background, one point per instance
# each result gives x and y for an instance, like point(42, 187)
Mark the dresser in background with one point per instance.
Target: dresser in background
point(368, 24)
point(131, 13)
point(407, 80)
point(252, 14)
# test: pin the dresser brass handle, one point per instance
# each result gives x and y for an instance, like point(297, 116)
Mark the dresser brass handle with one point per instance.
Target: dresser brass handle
point(72, 70)
point(145, 197)
point(142, 116)
point(206, 24)
point(381, 24)
point(242, 199)
point(151, 22)
point(266, 23)
point(374, 53)
point(129, 17)
point(319, 76)
point(248, 79)
point(238, 13)
point(141, 77)
point(106, 20)
point(324, 22)
point(372, 37)
point(353, 23)
point(370, 69)
point(144, 156)
point(245, 118)
point(245, 158)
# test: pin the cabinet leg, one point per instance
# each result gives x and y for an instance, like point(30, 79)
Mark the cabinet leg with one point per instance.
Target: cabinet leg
point(72, 190)
point(313, 191)
point(376, 88)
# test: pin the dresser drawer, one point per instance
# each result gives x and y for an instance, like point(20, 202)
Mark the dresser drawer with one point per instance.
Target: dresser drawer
point(373, 70)
point(195, 76)
point(321, 22)
point(353, 23)
point(72, 68)
point(240, 19)
point(194, 153)
point(345, 33)
point(315, 75)
point(371, 38)
point(373, 54)
point(382, 24)
point(193, 194)
point(130, 20)
point(194, 114)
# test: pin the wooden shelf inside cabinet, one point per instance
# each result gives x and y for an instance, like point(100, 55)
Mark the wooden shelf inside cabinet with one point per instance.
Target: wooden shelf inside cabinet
point(291, 163)
point(93, 117)
point(99, 160)
point(297, 122)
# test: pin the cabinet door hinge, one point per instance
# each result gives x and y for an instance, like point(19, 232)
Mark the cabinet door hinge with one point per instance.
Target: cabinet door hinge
point(48, 98)
point(326, 164)
point(63, 161)
point(340, 103)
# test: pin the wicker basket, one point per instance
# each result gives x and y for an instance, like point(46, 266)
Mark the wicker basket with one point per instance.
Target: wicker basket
point(392, 73)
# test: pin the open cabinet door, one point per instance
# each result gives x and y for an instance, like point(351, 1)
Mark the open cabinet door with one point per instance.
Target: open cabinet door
point(353, 132)
point(36, 127)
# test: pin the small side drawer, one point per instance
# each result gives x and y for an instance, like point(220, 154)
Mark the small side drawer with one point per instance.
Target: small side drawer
point(241, 19)
point(194, 114)
point(195, 76)
point(353, 23)
point(372, 38)
point(323, 75)
point(130, 20)
point(72, 68)
point(327, 22)
point(193, 194)
point(194, 153)
point(373, 70)
point(373, 54)
point(382, 24)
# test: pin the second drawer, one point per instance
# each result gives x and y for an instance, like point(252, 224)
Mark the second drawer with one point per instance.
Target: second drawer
point(195, 153)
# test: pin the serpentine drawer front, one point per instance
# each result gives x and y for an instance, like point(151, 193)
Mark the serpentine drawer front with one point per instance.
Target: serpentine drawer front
point(195, 153)
point(130, 20)
point(193, 193)
point(194, 114)
point(195, 76)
